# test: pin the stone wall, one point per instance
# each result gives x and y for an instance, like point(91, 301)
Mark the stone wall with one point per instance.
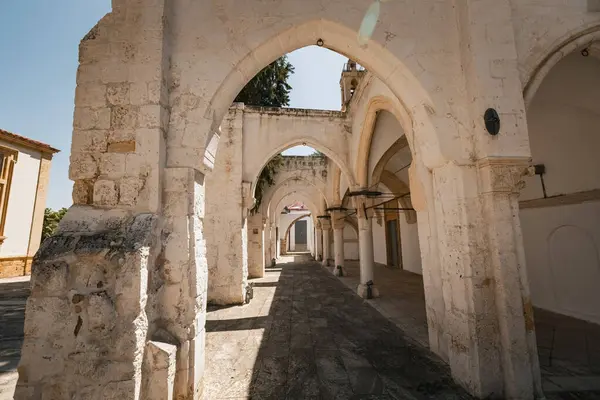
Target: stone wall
point(15, 266)
point(87, 309)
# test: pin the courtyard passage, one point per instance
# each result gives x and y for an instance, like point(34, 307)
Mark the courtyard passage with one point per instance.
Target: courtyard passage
point(305, 335)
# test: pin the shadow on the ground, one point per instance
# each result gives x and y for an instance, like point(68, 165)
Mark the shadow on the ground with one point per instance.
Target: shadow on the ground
point(13, 297)
point(321, 341)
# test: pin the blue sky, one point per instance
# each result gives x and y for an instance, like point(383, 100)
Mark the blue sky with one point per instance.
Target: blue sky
point(38, 43)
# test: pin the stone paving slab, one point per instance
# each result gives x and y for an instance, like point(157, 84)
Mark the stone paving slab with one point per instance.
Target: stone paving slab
point(306, 336)
point(568, 348)
point(13, 296)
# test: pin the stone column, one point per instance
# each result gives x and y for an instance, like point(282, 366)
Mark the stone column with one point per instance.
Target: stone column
point(365, 244)
point(267, 241)
point(501, 180)
point(319, 248)
point(488, 322)
point(179, 301)
point(225, 222)
point(256, 255)
point(273, 243)
point(325, 228)
point(337, 222)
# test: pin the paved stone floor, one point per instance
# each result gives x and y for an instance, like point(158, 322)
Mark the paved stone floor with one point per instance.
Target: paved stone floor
point(306, 336)
point(568, 348)
point(13, 295)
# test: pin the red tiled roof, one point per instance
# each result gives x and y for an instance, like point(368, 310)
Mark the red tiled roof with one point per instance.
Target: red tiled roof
point(297, 206)
point(24, 141)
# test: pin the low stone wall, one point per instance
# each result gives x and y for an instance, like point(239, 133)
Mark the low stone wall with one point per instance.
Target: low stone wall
point(11, 267)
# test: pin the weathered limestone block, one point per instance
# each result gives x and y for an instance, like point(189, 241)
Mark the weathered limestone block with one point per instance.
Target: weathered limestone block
point(179, 286)
point(105, 193)
point(488, 320)
point(85, 320)
point(160, 364)
point(225, 225)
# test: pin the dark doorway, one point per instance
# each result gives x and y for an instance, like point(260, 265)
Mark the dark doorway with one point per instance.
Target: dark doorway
point(301, 233)
point(393, 247)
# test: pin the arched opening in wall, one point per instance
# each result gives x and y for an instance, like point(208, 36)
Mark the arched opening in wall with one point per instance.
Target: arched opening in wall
point(560, 209)
point(296, 219)
point(398, 266)
point(267, 131)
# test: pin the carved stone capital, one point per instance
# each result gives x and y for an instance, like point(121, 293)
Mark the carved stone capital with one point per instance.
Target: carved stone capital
point(325, 224)
point(363, 205)
point(503, 174)
point(337, 219)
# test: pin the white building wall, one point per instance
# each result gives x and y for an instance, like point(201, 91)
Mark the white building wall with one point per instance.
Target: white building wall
point(411, 252)
point(561, 247)
point(350, 243)
point(379, 245)
point(562, 242)
point(21, 202)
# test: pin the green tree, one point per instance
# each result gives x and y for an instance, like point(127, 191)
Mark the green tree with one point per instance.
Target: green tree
point(266, 179)
point(51, 220)
point(270, 87)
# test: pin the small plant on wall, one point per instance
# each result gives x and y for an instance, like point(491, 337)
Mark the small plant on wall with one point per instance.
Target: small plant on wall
point(265, 180)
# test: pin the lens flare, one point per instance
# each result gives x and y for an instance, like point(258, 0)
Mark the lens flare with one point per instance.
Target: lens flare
point(369, 22)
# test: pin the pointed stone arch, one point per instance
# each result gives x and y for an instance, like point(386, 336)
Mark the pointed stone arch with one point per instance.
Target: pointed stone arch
point(375, 105)
point(287, 231)
point(539, 69)
point(415, 100)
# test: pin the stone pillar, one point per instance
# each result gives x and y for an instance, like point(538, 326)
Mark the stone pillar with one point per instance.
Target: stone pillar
point(319, 244)
point(422, 199)
point(256, 254)
point(488, 309)
point(501, 180)
point(179, 302)
point(489, 322)
point(226, 223)
point(365, 244)
point(325, 227)
point(90, 314)
point(268, 244)
point(272, 243)
point(337, 222)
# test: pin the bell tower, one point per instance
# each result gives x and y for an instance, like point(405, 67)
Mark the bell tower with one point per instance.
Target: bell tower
point(351, 77)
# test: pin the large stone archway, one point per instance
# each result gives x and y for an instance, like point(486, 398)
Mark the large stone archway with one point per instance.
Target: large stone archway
point(123, 283)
